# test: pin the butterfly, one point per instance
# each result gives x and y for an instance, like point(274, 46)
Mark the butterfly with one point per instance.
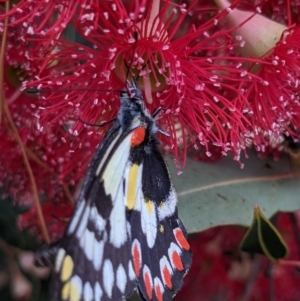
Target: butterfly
point(125, 233)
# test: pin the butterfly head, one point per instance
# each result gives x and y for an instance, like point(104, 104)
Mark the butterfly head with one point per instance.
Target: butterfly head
point(132, 97)
point(132, 90)
point(132, 104)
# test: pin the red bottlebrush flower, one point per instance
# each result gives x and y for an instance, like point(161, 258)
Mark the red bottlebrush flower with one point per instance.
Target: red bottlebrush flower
point(272, 104)
point(277, 102)
point(35, 25)
point(48, 155)
point(185, 65)
point(39, 18)
point(56, 219)
point(284, 12)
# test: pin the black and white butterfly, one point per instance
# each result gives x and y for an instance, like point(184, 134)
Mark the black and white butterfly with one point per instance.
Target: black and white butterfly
point(125, 233)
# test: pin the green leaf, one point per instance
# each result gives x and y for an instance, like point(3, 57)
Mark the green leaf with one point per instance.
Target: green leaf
point(221, 193)
point(263, 238)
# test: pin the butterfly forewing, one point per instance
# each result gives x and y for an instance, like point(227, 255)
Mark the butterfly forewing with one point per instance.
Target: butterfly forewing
point(93, 261)
point(125, 232)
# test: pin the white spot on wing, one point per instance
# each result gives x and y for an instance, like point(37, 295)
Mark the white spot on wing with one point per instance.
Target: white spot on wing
point(168, 206)
point(108, 277)
point(98, 292)
point(118, 231)
point(87, 243)
point(148, 222)
point(92, 248)
point(113, 176)
point(98, 221)
point(76, 217)
point(131, 273)
point(128, 225)
point(59, 258)
point(121, 278)
point(87, 292)
point(114, 171)
point(98, 254)
point(107, 153)
point(83, 222)
point(139, 195)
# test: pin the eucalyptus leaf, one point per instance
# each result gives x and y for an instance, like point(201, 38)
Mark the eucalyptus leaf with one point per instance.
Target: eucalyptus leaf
point(221, 193)
point(263, 238)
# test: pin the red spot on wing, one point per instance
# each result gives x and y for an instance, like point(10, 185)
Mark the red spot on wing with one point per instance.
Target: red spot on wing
point(158, 293)
point(167, 277)
point(138, 136)
point(176, 260)
point(148, 284)
point(137, 258)
point(181, 240)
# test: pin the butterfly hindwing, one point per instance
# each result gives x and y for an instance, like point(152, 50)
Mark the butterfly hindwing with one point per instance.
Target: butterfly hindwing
point(160, 251)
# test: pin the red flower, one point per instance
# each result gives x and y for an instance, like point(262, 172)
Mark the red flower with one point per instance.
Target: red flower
point(275, 103)
point(272, 103)
point(185, 65)
point(47, 153)
point(46, 19)
point(34, 25)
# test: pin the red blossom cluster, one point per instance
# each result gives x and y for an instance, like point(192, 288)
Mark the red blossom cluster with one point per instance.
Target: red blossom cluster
point(227, 75)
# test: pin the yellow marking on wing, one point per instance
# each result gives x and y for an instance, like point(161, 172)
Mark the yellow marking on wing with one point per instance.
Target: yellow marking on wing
point(132, 186)
point(66, 291)
point(70, 292)
point(161, 229)
point(67, 268)
point(149, 206)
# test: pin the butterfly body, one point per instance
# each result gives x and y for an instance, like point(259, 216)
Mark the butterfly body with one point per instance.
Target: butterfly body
point(125, 232)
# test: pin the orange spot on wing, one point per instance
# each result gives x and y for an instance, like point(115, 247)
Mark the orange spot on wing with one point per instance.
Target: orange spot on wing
point(138, 136)
point(183, 243)
point(136, 260)
point(167, 277)
point(148, 285)
point(177, 261)
point(158, 293)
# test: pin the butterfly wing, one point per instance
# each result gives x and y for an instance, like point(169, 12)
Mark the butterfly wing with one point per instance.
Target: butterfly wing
point(161, 254)
point(93, 260)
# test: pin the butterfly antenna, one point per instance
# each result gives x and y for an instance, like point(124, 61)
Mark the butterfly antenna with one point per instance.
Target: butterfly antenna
point(133, 79)
point(97, 125)
point(36, 90)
